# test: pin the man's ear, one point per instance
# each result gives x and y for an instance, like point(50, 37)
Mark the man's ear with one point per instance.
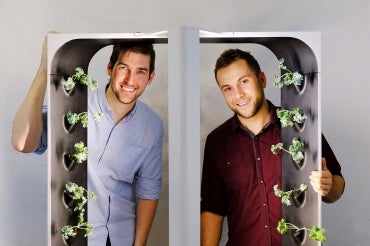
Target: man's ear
point(262, 79)
point(151, 77)
point(109, 69)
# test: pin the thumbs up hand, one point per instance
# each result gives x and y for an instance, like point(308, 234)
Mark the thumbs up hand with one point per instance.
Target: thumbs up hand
point(322, 181)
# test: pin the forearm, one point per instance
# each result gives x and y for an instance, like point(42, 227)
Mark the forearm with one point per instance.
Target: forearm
point(336, 190)
point(27, 124)
point(145, 212)
point(211, 228)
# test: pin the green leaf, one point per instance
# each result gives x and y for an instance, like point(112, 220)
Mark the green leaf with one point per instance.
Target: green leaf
point(282, 226)
point(84, 119)
point(278, 82)
point(288, 78)
point(289, 117)
point(82, 78)
point(98, 116)
point(80, 195)
point(303, 187)
point(68, 84)
point(286, 196)
point(295, 150)
point(67, 231)
point(276, 148)
point(80, 152)
point(318, 234)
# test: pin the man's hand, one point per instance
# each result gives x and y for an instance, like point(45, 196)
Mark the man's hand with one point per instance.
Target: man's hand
point(322, 181)
point(329, 186)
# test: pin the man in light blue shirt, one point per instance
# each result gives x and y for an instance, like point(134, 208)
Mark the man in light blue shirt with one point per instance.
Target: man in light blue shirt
point(125, 147)
point(124, 167)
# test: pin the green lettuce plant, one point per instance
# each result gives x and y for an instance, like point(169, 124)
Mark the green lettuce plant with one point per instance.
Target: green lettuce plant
point(288, 77)
point(80, 152)
point(73, 118)
point(80, 196)
point(289, 117)
point(286, 196)
point(82, 78)
point(294, 150)
point(316, 233)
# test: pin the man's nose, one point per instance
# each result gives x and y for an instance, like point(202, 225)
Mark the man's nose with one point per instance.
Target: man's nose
point(129, 77)
point(239, 91)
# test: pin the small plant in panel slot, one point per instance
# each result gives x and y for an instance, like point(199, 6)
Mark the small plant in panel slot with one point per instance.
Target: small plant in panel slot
point(294, 150)
point(291, 117)
point(288, 78)
point(79, 156)
point(74, 118)
point(80, 152)
point(315, 233)
point(287, 196)
point(82, 78)
point(80, 196)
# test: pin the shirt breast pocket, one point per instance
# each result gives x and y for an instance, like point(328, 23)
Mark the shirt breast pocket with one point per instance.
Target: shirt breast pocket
point(238, 173)
point(126, 162)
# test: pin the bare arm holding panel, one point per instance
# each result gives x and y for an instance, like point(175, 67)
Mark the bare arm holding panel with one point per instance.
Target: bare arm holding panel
point(28, 123)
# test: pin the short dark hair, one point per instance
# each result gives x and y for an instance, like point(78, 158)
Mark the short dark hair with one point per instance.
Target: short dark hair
point(142, 47)
point(231, 55)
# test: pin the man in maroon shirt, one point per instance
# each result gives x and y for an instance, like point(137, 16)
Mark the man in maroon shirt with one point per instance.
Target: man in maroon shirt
point(239, 169)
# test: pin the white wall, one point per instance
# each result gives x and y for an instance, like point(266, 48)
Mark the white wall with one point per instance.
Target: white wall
point(345, 38)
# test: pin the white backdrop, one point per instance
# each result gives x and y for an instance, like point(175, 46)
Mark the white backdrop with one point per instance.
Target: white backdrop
point(345, 28)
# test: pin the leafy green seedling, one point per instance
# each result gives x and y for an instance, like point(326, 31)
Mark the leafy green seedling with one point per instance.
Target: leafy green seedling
point(316, 233)
point(98, 116)
point(82, 78)
point(73, 118)
point(80, 195)
point(288, 77)
point(80, 152)
point(289, 117)
point(293, 151)
point(286, 196)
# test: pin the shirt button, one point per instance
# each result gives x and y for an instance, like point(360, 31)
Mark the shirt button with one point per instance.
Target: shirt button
point(261, 181)
point(258, 158)
point(264, 204)
point(266, 226)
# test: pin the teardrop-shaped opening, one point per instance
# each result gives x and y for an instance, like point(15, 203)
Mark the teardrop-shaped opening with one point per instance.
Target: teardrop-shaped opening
point(67, 91)
point(68, 127)
point(299, 126)
point(68, 200)
point(301, 88)
point(299, 198)
point(299, 236)
point(68, 162)
point(301, 163)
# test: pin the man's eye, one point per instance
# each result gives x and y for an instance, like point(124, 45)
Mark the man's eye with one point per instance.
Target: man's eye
point(142, 72)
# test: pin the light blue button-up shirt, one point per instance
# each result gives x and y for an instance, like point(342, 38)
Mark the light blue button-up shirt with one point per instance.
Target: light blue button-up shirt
point(124, 163)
